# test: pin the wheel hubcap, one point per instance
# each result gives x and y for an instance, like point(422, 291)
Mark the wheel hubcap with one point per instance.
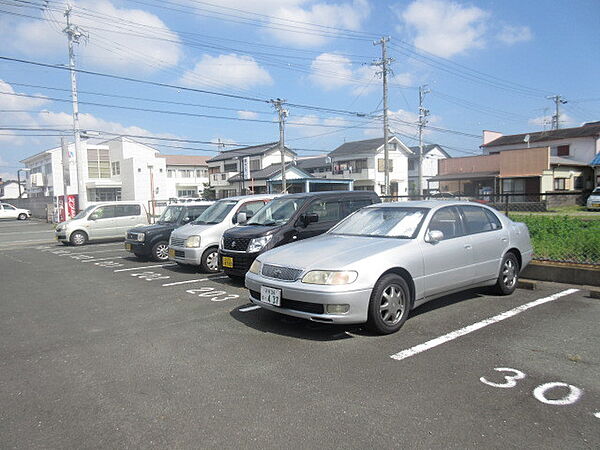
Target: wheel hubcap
point(78, 239)
point(509, 273)
point(392, 304)
point(162, 251)
point(212, 261)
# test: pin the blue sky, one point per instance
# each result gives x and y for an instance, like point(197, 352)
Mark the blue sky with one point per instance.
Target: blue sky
point(488, 64)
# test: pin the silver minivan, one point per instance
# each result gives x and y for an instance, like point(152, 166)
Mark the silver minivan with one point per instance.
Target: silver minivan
point(109, 220)
point(197, 243)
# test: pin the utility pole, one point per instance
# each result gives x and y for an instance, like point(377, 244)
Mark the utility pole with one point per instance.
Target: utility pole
point(65, 166)
point(384, 63)
point(423, 113)
point(74, 35)
point(283, 113)
point(557, 99)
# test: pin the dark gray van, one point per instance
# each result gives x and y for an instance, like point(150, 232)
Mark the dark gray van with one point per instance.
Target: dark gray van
point(287, 219)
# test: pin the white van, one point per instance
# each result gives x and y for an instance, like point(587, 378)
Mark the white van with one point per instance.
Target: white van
point(109, 220)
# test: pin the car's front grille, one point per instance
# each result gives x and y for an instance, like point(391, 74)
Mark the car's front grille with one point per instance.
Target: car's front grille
point(177, 242)
point(179, 254)
point(236, 244)
point(281, 273)
point(312, 308)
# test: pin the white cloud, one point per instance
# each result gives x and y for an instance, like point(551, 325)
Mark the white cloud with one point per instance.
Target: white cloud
point(247, 115)
point(295, 22)
point(16, 103)
point(348, 16)
point(111, 47)
point(91, 122)
point(332, 71)
point(444, 27)
point(545, 121)
point(310, 124)
point(511, 34)
point(231, 71)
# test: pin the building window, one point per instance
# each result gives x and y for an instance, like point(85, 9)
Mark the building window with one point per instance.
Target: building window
point(255, 164)
point(230, 167)
point(104, 194)
point(187, 193)
point(200, 173)
point(116, 168)
point(48, 169)
point(186, 173)
point(562, 150)
point(411, 164)
point(560, 184)
point(381, 165)
point(578, 183)
point(223, 176)
point(170, 173)
point(98, 163)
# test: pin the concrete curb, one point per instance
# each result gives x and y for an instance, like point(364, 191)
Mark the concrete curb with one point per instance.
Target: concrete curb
point(562, 273)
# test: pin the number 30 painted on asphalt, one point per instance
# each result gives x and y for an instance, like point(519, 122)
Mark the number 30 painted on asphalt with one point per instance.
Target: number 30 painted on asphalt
point(539, 392)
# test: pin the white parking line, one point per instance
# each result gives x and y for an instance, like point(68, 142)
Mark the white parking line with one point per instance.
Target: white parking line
point(27, 232)
point(84, 252)
point(144, 267)
point(103, 259)
point(478, 325)
point(185, 282)
point(249, 308)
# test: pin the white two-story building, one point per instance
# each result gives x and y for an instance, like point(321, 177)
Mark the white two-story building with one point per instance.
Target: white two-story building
point(118, 169)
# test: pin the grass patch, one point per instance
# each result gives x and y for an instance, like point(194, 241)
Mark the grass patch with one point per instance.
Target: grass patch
point(563, 238)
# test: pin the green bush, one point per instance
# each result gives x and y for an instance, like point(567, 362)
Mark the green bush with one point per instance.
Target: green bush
point(563, 238)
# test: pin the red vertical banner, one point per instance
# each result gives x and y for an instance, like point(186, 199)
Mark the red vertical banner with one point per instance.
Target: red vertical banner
point(72, 201)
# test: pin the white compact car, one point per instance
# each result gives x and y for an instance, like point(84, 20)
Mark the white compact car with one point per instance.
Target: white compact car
point(593, 201)
point(10, 212)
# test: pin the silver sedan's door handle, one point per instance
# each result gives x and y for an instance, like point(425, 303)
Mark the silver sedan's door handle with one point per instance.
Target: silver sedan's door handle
point(504, 239)
point(468, 246)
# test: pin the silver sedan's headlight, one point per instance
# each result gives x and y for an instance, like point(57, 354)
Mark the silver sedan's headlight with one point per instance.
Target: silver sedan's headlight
point(141, 237)
point(257, 244)
point(334, 277)
point(255, 267)
point(192, 242)
point(59, 228)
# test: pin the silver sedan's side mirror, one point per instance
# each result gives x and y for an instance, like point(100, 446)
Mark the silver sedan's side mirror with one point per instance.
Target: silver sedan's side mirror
point(434, 236)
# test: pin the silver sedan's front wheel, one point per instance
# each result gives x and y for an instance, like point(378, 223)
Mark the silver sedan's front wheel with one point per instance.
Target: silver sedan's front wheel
point(389, 304)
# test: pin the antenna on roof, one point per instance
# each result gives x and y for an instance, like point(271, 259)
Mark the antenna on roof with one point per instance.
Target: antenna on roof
point(526, 139)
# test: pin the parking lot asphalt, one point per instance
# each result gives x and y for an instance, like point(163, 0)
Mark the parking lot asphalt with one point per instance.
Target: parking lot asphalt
point(99, 349)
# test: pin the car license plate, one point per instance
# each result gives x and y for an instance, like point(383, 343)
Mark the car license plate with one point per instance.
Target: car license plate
point(128, 247)
point(270, 296)
point(56, 237)
point(171, 253)
point(596, 205)
point(228, 262)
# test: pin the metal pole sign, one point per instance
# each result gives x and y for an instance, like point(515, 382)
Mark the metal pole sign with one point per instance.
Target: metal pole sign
point(246, 168)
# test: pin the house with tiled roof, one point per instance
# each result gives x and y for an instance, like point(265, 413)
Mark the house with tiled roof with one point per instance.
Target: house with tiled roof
point(572, 151)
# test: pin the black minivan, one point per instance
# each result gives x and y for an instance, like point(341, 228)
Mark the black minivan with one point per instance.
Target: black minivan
point(152, 241)
point(287, 219)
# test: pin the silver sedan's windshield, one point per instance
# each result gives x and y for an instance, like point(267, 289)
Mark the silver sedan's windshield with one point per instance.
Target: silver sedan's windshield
point(216, 213)
point(277, 212)
point(170, 215)
point(383, 222)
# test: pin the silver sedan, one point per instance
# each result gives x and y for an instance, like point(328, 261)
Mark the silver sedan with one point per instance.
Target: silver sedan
point(386, 259)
